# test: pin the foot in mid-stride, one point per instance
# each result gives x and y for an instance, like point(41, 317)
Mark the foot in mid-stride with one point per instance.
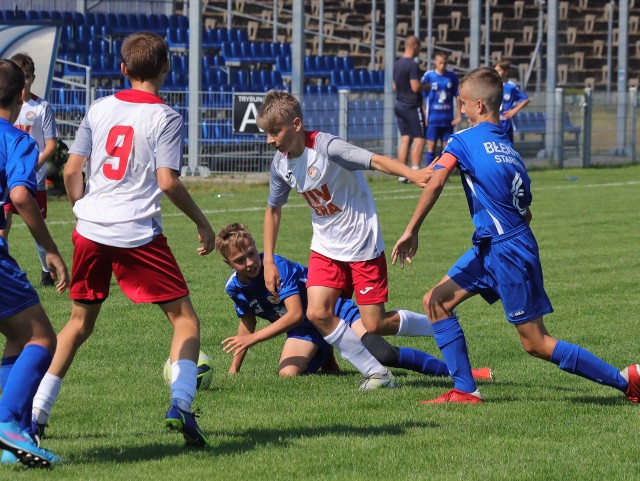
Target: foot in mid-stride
point(379, 381)
point(23, 447)
point(632, 374)
point(183, 421)
point(456, 396)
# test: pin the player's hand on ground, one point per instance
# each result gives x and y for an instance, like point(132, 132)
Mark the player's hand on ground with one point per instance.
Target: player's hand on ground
point(58, 270)
point(207, 238)
point(405, 249)
point(236, 344)
point(271, 278)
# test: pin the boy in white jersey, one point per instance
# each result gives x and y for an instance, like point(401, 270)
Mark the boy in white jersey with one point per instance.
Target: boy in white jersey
point(347, 250)
point(131, 145)
point(37, 118)
point(503, 262)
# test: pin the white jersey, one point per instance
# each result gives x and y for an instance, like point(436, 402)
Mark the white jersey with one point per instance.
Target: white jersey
point(126, 137)
point(36, 117)
point(343, 212)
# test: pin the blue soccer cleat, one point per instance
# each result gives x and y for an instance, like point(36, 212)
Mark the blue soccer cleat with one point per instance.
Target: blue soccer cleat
point(14, 440)
point(8, 458)
point(178, 420)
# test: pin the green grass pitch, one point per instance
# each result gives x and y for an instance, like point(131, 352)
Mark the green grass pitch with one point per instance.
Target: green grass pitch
point(538, 423)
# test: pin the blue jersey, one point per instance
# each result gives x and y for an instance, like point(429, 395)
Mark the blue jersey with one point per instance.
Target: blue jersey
point(18, 160)
point(495, 181)
point(511, 95)
point(439, 98)
point(254, 298)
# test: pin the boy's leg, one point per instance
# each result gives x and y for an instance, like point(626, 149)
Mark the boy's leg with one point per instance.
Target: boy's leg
point(75, 332)
point(296, 358)
point(185, 349)
point(32, 328)
point(569, 357)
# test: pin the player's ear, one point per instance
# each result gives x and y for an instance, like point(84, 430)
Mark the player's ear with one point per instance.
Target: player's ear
point(297, 124)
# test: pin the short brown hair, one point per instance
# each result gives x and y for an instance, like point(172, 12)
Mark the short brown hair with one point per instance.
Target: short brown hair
point(232, 235)
point(11, 83)
point(25, 62)
point(144, 55)
point(484, 84)
point(504, 65)
point(278, 106)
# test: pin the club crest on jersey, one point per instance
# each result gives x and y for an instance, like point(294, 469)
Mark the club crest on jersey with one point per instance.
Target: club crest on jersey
point(313, 172)
point(273, 299)
point(31, 115)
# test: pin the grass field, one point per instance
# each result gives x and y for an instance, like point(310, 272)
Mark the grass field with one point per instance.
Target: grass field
point(538, 423)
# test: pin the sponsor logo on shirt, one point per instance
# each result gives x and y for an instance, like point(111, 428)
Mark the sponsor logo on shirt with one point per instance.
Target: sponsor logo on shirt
point(313, 172)
point(31, 115)
point(320, 201)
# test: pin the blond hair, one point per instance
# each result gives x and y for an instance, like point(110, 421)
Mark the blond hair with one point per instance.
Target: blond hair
point(232, 235)
point(278, 106)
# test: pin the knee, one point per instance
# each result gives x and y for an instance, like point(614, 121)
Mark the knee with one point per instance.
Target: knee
point(318, 316)
point(433, 307)
point(289, 371)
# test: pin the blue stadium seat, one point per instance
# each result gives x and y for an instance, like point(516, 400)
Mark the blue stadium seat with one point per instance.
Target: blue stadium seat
point(239, 34)
point(283, 64)
point(32, 15)
point(177, 38)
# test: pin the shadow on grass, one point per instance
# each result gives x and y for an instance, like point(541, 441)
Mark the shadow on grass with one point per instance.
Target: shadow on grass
point(243, 441)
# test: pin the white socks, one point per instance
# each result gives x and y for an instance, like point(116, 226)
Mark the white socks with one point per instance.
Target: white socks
point(42, 254)
point(351, 348)
point(184, 378)
point(413, 324)
point(45, 398)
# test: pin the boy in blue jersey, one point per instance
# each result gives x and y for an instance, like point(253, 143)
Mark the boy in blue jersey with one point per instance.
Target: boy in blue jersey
point(504, 261)
point(30, 338)
point(513, 99)
point(440, 88)
point(305, 351)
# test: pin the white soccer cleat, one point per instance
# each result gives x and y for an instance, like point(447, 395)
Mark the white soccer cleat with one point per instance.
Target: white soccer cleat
point(379, 381)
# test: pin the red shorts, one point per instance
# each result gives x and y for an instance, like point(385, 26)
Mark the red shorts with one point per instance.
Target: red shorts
point(148, 273)
point(367, 278)
point(41, 199)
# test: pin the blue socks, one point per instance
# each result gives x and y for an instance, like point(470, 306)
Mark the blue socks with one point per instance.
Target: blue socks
point(5, 369)
point(577, 360)
point(22, 383)
point(420, 361)
point(450, 339)
point(429, 157)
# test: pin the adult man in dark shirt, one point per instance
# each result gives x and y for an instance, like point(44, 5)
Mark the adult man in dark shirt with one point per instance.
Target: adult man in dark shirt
point(408, 108)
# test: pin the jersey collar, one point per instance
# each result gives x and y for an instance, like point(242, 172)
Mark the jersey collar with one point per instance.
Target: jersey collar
point(138, 97)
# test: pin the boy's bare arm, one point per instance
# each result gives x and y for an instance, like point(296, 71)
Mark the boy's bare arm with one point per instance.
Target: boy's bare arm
point(272, 217)
point(29, 210)
point(246, 326)
point(391, 166)
point(73, 179)
point(175, 190)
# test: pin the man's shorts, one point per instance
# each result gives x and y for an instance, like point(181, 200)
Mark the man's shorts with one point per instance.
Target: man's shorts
point(41, 199)
point(508, 269)
point(441, 133)
point(410, 121)
point(367, 278)
point(16, 292)
point(148, 273)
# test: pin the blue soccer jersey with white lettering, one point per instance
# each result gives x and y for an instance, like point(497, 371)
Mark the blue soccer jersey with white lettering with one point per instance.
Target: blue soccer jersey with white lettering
point(254, 298)
point(494, 178)
point(511, 95)
point(439, 98)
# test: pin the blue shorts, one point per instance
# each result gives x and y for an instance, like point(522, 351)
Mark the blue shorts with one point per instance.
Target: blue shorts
point(16, 292)
point(439, 132)
point(508, 269)
point(308, 333)
point(347, 310)
point(410, 120)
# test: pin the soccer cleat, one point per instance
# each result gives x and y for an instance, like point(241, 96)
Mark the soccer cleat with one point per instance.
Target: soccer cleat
point(178, 420)
point(456, 396)
point(482, 373)
point(8, 458)
point(403, 180)
point(46, 280)
point(632, 374)
point(37, 431)
point(379, 381)
point(24, 448)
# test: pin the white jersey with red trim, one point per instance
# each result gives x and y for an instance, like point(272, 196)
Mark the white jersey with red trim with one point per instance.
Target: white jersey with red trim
point(37, 118)
point(126, 137)
point(343, 212)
